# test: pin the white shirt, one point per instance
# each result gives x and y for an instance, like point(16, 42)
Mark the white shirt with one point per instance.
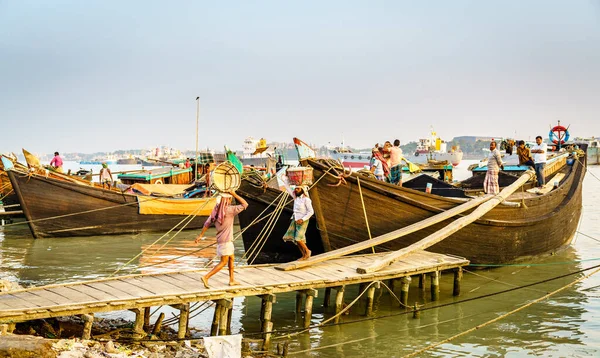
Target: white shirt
point(302, 205)
point(303, 208)
point(540, 157)
point(378, 166)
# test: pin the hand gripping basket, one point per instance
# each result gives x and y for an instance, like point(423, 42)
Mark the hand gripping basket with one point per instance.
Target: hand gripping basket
point(300, 175)
point(225, 177)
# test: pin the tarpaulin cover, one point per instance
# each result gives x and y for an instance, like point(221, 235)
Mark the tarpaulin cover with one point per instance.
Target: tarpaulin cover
point(160, 189)
point(172, 206)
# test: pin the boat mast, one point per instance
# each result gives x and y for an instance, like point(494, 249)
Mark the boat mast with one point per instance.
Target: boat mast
point(197, 117)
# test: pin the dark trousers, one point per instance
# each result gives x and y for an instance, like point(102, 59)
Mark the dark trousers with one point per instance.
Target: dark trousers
point(539, 173)
point(529, 163)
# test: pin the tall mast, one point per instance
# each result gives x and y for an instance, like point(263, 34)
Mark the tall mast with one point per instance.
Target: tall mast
point(197, 120)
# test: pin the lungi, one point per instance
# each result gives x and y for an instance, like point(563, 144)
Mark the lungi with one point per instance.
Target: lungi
point(296, 232)
point(225, 249)
point(490, 184)
point(396, 174)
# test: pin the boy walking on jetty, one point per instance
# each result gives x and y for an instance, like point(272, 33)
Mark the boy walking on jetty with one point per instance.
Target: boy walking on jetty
point(222, 217)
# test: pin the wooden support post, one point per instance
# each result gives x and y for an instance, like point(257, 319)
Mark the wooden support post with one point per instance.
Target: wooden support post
point(310, 295)
point(158, 324)
point(225, 306)
point(435, 285)
point(146, 318)
point(214, 328)
point(299, 297)
point(370, 298)
point(327, 297)
point(405, 284)
point(416, 311)
point(138, 326)
point(267, 325)
point(422, 278)
point(339, 302)
point(184, 315)
point(229, 316)
point(392, 284)
point(88, 321)
point(3, 329)
point(458, 273)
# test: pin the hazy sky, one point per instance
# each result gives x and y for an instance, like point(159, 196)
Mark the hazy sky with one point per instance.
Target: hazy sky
point(93, 76)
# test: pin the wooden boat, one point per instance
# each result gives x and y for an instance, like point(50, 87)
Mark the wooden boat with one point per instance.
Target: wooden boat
point(163, 175)
point(59, 208)
point(533, 224)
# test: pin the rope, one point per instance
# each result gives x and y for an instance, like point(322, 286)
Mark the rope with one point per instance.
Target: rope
point(7, 194)
point(364, 210)
point(502, 316)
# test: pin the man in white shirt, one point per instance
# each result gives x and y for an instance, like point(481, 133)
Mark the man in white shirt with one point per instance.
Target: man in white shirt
point(303, 210)
point(539, 158)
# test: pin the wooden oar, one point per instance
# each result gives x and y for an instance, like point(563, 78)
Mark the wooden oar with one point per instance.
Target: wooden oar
point(382, 239)
point(450, 229)
point(124, 172)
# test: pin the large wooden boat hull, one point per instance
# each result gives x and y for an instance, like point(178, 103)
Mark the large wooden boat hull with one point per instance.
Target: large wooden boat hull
point(58, 208)
point(262, 200)
point(544, 224)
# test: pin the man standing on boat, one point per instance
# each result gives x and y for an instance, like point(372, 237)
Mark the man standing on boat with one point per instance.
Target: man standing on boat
point(539, 158)
point(396, 163)
point(222, 217)
point(106, 177)
point(57, 163)
point(494, 164)
point(303, 210)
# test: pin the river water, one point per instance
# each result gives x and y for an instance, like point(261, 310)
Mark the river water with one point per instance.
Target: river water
point(564, 325)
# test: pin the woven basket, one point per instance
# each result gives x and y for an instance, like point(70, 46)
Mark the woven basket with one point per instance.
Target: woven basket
point(225, 177)
point(300, 175)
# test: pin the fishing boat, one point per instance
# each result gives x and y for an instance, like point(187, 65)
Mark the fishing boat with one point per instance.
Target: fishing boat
point(60, 208)
point(161, 175)
point(530, 223)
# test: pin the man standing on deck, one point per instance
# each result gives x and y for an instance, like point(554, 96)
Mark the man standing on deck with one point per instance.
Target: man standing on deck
point(494, 164)
point(396, 163)
point(222, 217)
point(539, 157)
point(303, 210)
point(57, 163)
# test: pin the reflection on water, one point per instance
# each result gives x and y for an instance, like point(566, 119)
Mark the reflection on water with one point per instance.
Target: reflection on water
point(564, 325)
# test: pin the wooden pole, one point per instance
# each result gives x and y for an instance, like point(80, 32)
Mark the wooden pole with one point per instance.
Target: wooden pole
point(435, 285)
point(378, 240)
point(138, 326)
point(392, 284)
point(226, 304)
point(449, 229)
point(310, 295)
point(458, 274)
point(339, 302)
point(229, 316)
point(370, 299)
point(299, 297)
point(88, 322)
point(365, 212)
point(184, 314)
point(327, 297)
point(197, 128)
point(416, 311)
point(404, 286)
point(214, 327)
point(158, 324)
point(146, 318)
point(267, 325)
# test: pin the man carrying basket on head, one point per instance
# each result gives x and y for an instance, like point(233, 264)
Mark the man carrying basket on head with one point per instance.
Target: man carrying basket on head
point(303, 210)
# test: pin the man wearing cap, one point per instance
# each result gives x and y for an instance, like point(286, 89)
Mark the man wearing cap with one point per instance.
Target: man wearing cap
point(222, 217)
point(303, 210)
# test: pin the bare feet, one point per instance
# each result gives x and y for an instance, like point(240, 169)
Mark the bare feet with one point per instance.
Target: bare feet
point(308, 255)
point(234, 283)
point(205, 282)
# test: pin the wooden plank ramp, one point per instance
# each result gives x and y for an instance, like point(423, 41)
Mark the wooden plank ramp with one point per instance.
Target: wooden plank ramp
point(176, 288)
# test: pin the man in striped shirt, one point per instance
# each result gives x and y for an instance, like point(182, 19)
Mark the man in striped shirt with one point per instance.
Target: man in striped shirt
point(490, 184)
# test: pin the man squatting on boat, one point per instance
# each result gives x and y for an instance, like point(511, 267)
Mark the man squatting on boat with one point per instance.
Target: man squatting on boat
point(303, 210)
point(222, 217)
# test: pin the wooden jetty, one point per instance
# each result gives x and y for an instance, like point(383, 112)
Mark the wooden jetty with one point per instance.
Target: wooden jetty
point(178, 289)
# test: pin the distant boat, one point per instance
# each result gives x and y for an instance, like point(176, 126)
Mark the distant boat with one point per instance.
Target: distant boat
point(435, 149)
